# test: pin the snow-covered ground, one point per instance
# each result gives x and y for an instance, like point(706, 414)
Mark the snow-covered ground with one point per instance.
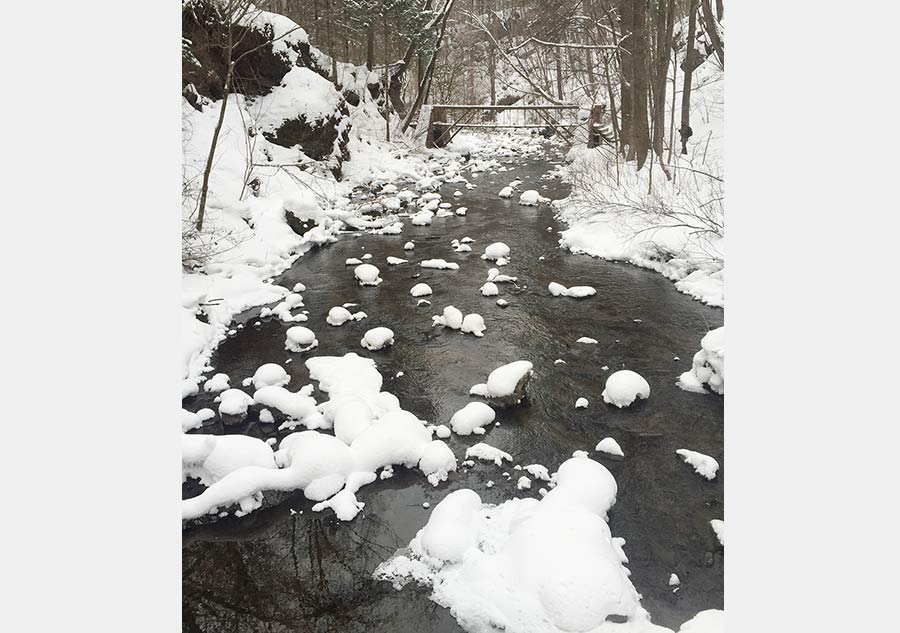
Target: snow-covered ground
point(675, 227)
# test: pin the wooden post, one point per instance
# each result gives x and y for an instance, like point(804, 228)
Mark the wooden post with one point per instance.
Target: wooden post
point(594, 121)
point(438, 115)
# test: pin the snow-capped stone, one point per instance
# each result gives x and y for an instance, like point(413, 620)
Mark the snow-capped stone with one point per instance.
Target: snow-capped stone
point(423, 218)
point(708, 365)
point(473, 324)
point(437, 462)
point(488, 453)
point(439, 264)
point(452, 318)
point(300, 339)
point(352, 261)
point(507, 383)
point(461, 210)
point(409, 246)
point(496, 251)
point(490, 289)
point(396, 261)
point(538, 471)
point(530, 198)
point(506, 192)
point(217, 383)
point(718, 526)
point(581, 403)
point(524, 483)
point(377, 338)
point(442, 431)
point(367, 275)
point(502, 303)
point(299, 287)
point(191, 420)
point(576, 292)
point(233, 405)
point(472, 418)
point(270, 374)
point(703, 464)
point(339, 315)
point(298, 407)
point(674, 581)
point(587, 339)
point(624, 387)
point(420, 290)
point(609, 446)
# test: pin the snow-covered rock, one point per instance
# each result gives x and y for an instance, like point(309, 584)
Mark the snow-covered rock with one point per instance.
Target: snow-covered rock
point(623, 387)
point(473, 324)
point(396, 261)
point(367, 275)
point(581, 403)
point(452, 317)
point(217, 383)
point(339, 315)
point(489, 289)
point(420, 290)
point(506, 192)
point(440, 264)
point(270, 374)
point(704, 465)
point(507, 383)
point(586, 339)
point(576, 292)
point(437, 462)
point(531, 198)
point(708, 365)
point(409, 246)
point(377, 338)
point(233, 405)
point(498, 251)
point(297, 407)
point(488, 453)
point(300, 339)
point(718, 526)
point(472, 418)
point(609, 446)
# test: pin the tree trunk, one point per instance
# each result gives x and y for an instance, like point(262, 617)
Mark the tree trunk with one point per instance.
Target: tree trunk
point(370, 47)
point(425, 83)
point(626, 73)
point(688, 68)
point(712, 30)
point(640, 132)
point(559, 75)
point(387, 81)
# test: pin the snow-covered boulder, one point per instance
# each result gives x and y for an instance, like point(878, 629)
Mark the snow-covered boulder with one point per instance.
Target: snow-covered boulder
point(472, 418)
point(270, 374)
point(609, 446)
point(420, 290)
point(708, 365)
point(624, 387)
point(498, 251)
point(506, 384)
point(506, 192)
point(339, 315)
point(233, 405)
point(576, 292)
point(367, 275)
point(300, 339)
point(440, 264)
point(437, 462)
point(451, 317)
point(473, 324)
point(377, 338)
point(489, 289)
point(531, 198)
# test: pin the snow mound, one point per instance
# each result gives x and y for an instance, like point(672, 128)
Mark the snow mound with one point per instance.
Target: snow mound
point(409, 246)
point(233, 405)
point(581, 403)
point(300, 339)
point(209, 458)
point(527, 565)
point(703, 464)
point(624, 387)
point(609, 446)
point(708, 365)
point(217, 383)
point(377, 338)
point(420, 290)
point(506, 192)
point(472, 418)
point(452, 317)
point(440, 264)
point(437, 462)
point(352, 261)
point(367, 275)
point(718, 526)
point(298, 408)
point(576, 292)
point(709, 621)
point(396, 261)
point(587, 339)
point(191, 420)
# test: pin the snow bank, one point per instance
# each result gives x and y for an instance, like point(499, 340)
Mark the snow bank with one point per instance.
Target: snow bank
point(527, 565)
point(623, 387)
point(708, 366)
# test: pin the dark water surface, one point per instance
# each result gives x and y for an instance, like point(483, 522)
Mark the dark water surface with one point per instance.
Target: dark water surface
point(276, 570)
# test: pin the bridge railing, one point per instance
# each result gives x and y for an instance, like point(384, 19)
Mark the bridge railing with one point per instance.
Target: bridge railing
point(447, 120)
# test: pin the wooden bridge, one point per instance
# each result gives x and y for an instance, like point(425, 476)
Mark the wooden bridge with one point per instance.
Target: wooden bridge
point(445, 121)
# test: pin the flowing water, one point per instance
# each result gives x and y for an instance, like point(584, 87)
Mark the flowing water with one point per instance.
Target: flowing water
point(286, 568)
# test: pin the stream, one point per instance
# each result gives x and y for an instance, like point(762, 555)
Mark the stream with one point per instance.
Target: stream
point(286, 568)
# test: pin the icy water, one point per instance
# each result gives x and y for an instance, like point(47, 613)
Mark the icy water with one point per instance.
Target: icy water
point(285, 568)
